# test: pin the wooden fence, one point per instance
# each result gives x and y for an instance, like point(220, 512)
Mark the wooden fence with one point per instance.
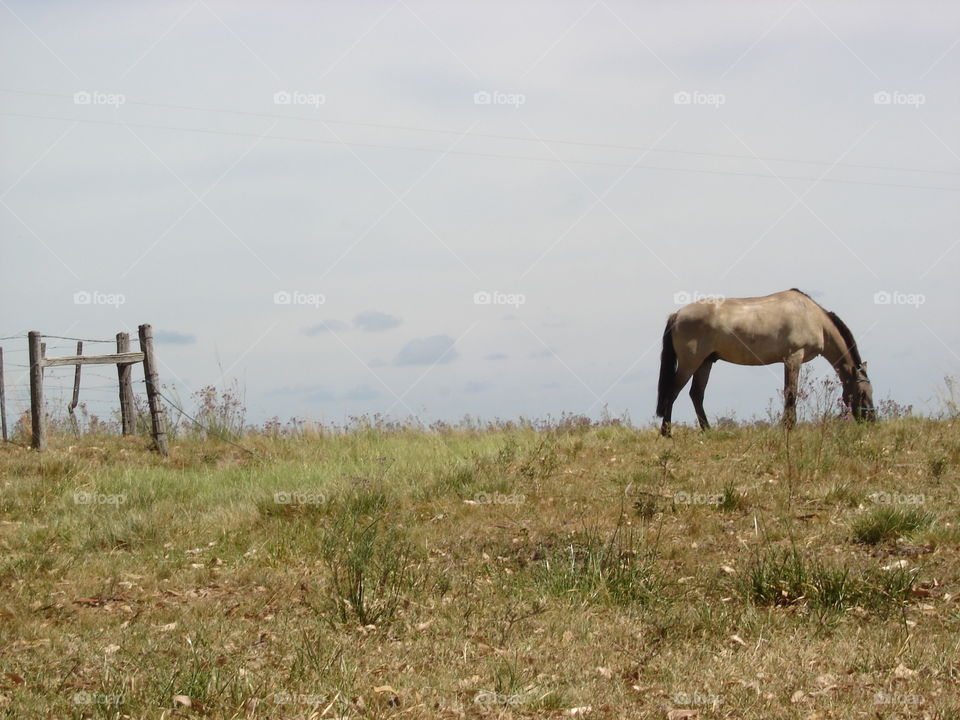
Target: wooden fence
point(123, 358)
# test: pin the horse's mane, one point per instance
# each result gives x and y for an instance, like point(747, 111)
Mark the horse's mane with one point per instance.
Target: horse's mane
point(841, 327)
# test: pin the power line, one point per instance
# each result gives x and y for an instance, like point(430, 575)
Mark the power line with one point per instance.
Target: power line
point(499, 136)
point(501, 156)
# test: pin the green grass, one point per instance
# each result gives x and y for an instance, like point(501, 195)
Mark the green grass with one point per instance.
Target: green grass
point(513, 571)
point(788, 577)
point(887, 522)
point(591, 567)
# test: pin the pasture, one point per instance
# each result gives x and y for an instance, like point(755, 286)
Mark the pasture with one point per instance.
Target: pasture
point(509, 571)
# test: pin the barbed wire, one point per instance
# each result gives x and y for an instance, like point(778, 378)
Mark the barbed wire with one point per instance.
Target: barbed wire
point(67, 337)
point(204, 427)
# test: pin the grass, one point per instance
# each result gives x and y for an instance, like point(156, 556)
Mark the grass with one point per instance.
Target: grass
point(512, 571)
point(886, 522)
point(788, 577)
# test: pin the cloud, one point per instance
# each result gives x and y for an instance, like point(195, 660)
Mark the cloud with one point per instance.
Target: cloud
point(477, 386)
point(375, 321)
point(433, 350)
point(172, 337)
point(325, 326)
point(496, 356)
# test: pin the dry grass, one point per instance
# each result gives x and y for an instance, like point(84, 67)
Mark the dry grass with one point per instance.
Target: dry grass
point(505, 573)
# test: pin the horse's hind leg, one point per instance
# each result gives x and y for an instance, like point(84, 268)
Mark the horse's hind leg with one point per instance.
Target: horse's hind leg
point(698, 387)
point(684, 372)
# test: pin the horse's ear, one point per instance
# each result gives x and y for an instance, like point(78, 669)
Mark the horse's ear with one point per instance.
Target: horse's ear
point(864, 365)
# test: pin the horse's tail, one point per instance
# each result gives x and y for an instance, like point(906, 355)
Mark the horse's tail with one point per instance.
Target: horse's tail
point(668, 368)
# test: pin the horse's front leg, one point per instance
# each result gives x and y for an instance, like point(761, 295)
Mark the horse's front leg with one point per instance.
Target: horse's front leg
point(791, 378)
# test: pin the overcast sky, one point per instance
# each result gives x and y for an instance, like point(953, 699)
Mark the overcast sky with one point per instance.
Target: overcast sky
point(308, 197)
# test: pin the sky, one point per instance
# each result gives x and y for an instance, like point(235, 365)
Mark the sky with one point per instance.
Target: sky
point(433, 210)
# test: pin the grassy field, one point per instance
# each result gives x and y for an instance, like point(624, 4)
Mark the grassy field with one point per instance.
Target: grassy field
point(567, 571)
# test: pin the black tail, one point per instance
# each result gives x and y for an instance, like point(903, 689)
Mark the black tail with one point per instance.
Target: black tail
point(668, 368)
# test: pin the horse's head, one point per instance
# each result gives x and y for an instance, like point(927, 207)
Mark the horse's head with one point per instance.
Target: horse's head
point(858, 395)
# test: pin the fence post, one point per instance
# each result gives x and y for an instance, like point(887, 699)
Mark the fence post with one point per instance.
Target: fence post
point(3, 400)
point(153, 388)
point(124, 372)
point(75, 400)
point(38, 438)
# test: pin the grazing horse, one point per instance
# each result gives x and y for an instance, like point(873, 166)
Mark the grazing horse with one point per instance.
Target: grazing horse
point(787, 327)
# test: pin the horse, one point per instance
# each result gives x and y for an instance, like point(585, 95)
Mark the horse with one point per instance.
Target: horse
point(787, 327)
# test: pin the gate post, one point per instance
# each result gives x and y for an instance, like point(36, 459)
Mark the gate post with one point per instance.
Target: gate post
point(153, 389)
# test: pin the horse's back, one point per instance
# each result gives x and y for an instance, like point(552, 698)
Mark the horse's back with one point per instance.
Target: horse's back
point(753, 330)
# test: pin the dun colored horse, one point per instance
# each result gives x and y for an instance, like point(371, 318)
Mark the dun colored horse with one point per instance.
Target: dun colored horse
point(787, 327)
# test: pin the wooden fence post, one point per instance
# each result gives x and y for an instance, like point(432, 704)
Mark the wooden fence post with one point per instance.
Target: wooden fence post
point(124, 372)
point(75, 400)
point(3, 400)
point(153, 388)
point(38, 438)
